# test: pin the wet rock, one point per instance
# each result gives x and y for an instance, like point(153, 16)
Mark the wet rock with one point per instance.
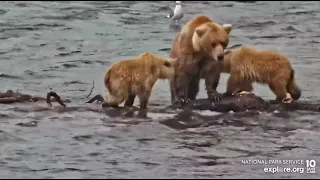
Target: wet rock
point(237, 103)
point(242, 102)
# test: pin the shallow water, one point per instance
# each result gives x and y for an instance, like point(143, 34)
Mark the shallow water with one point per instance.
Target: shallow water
point(64, 46)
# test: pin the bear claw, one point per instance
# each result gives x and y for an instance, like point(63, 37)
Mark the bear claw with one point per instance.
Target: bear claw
point(183, 102)
point(216, 97)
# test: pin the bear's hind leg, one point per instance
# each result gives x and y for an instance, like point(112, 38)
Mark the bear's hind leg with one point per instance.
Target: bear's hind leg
point(144, 99)
point(233, 84)
point(279, 89)
point(130, 100)
point(245, 86)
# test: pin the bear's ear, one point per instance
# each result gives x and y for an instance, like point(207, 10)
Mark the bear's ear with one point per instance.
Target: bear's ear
point(201, 31)
point(227, 28)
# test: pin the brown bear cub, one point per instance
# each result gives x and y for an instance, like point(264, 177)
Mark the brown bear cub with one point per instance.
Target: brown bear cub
point(246, 66)
point(200, 48)
point(128, 78)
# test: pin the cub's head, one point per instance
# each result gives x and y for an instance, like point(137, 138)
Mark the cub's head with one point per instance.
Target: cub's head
point(163, 66)
point(166, 67)
point(212, 39)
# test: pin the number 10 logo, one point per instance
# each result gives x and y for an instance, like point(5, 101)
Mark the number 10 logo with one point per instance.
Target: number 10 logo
point(311, 166)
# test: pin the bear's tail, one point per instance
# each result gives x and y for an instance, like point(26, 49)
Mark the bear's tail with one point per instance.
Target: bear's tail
point(107, 81)
point(293, 88)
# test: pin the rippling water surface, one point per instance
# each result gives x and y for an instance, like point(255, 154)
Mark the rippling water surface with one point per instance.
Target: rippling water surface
point(64, 46)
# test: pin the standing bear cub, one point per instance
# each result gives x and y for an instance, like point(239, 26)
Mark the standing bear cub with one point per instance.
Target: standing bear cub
point(128, 78)
point(199, 48)
point(246, 66)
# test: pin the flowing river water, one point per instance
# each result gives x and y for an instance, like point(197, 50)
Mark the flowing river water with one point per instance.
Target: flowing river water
point(66, 45)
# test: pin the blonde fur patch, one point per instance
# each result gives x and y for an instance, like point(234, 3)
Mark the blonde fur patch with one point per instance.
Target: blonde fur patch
point(195, 42)
point(288, 99)
point(245, 92)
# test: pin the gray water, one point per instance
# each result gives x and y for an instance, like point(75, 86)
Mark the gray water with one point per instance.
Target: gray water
point(64, 46)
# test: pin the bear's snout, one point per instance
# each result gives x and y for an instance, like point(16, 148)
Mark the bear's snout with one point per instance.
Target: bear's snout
point(220, 57)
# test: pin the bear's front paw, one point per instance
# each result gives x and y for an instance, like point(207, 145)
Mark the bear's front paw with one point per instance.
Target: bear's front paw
point(183, 102)
point(216, 97)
